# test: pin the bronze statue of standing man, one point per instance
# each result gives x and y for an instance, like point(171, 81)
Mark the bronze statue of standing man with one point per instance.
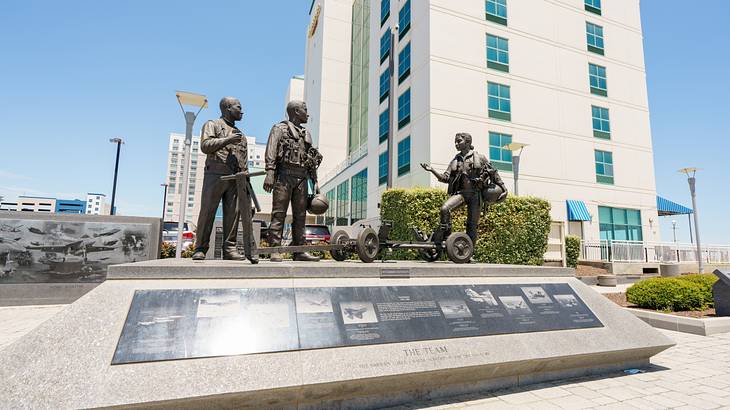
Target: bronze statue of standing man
point(291, 161)
point(227, 153)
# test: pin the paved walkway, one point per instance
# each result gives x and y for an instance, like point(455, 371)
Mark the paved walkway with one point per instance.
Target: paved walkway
point(695, 374)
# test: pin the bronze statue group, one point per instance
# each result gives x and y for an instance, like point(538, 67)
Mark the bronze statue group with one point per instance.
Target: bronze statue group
point(291, 165)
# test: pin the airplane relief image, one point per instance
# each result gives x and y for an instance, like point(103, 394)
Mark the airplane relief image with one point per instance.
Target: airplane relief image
point(364, 204)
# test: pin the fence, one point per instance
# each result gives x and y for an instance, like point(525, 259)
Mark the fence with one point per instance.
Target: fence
point(651, 252)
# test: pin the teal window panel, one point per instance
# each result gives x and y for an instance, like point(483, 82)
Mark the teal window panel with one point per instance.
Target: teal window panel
point(601, 122)
point(497, 53)
point(404, 19)
point(404, 156)
point(499, 157)
point(619, 224)
point(404, 109)
point(384, 11)
point(384, 85)
point(594, 38)
point(594, 6)
point(343, 203)
point(358, 196)
point(383, 168)
point(383, 128)
point(597, 78)
point(404, 63)
point(499, 103)
point(496, 11)
point(604, 167)
point(385, 46)
point(329, 216)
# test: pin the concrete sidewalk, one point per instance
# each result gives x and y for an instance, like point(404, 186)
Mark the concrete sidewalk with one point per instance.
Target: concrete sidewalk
point(695, 374)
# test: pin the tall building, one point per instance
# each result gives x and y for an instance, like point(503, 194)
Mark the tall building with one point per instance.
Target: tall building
point(175, 161)
point(96, 204)
point(564, 77)
point(295, 90)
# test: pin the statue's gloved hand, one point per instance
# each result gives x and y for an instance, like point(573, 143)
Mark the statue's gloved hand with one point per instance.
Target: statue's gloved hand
point(269, 181)
point(427, 167)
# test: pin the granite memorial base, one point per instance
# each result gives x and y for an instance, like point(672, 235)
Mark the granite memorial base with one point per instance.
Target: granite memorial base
point(336, 335)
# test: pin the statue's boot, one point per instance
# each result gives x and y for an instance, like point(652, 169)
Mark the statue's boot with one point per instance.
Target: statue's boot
point(232, 255)
point(199, 256)
point(305, 257)
point(254, 259)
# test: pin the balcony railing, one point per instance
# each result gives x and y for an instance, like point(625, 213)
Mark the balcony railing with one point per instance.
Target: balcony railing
point(651, 252)
point(351, 159)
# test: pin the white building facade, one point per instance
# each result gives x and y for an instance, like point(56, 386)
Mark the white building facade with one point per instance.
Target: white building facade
point(565, 77)
point(196, 171)
point(96, 204)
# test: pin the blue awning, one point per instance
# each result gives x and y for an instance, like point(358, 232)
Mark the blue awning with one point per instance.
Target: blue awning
point(666, 207)
point(577, 211)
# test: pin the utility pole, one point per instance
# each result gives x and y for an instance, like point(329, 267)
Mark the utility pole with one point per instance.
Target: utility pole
point(690, 172)
point(119, 143)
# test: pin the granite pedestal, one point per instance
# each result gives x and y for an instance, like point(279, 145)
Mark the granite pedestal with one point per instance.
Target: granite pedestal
point(67, 361)
point(721, 292)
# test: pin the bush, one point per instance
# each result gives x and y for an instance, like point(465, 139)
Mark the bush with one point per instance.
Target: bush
point(705, 281)
point(514, 231)
point(167, 250)
point(668, 294)
point(572, 250)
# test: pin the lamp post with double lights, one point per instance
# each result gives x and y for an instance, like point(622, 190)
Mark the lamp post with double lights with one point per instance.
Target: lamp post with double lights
point(198, 101)
point(164, 201)
point(516, 148)
point(690, 172)
point(119, 143)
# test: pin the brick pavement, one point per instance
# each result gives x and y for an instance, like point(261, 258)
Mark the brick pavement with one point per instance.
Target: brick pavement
point(694, 374)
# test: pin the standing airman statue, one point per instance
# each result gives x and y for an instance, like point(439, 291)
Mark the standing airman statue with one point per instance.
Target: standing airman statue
point(226, 154)
point(472, 180)
point(291, 162)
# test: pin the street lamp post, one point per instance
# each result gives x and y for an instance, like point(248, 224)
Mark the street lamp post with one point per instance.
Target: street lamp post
point(516, 148)
point(119, 143)
point(393, 118)
point(690, 172)
point(164, 201)
point(674, 230)
point(200, 101)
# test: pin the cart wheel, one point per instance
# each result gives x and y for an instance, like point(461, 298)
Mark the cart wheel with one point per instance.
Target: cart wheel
point(340, 238)
point(368, 245)
point(459, 247)
point(430, 255)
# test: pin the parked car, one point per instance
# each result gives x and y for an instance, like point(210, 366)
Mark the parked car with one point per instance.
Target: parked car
point(169, 234)
point(313, 235)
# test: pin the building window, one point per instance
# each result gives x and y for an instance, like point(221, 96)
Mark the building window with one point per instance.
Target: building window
point(594, 36)
point(404, 109)
point(404, 63)
point(497, 53)
point(383, 125)
point(604, 167)
point(499, 157)
point(383, 168)
point(499, 102)
point(497, 11)
point(404, 156)
point(384, 84)
point(342, 204)
point(594, 6)
point(404, 19)
point(597, 75)
point(384, 11)
point(359, 196)
point(601, 122)
point(384, 46)
point(619, 224)
point(329, 216)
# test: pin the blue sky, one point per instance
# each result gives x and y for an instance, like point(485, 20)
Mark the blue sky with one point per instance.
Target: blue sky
point(77, 73)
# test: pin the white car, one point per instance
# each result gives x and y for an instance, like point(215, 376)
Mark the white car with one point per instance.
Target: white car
point(169, 234)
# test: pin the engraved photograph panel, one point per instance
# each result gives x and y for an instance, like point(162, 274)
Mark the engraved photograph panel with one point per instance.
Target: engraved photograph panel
point(46, 251)
point(189, 323)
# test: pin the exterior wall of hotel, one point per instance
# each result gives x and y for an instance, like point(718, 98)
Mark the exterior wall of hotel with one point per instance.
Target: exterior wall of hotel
point(327, 79)
point(550, 100)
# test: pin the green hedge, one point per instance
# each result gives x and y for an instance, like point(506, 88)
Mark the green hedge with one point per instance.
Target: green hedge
point(705, 281)
point(514, 231)
point(668, 294)
point(167, 250)
point(572, 250)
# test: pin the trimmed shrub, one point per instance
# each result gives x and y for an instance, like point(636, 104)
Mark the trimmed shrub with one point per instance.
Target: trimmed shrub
point(705, 281)
point(167, 250)
point(514, 231)
point(572, 250)
point(668, 294)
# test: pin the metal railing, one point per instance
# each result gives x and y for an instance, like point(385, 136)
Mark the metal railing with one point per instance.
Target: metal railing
point(651, 252)
point(351, 159)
